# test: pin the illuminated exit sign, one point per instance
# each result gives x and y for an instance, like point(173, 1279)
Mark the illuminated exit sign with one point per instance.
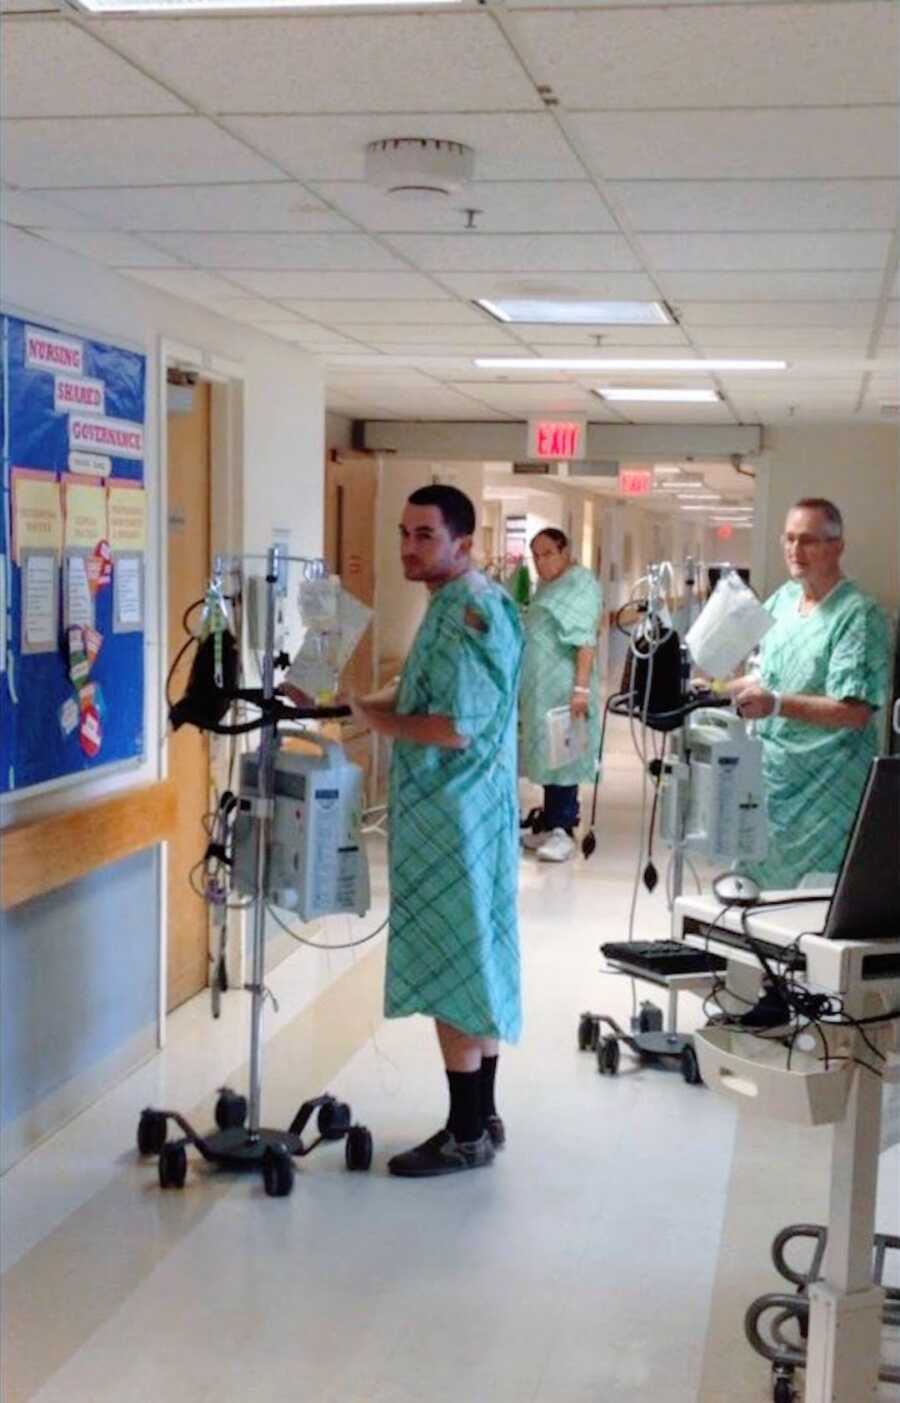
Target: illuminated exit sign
point(556, 438)
point(635, 482)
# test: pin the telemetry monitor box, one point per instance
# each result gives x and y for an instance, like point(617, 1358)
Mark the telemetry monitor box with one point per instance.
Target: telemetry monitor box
point(316, 863)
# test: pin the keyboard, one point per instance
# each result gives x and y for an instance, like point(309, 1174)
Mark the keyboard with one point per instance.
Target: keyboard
point(663, 957)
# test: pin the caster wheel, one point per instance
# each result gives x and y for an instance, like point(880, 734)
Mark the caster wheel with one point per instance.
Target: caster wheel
point(151, 1132)
point(608, 1056)
point(690, 1067)
point(596, 1035)
point(231, 1109)
point(358, 1148)
point(333, 1120)
point(277, 1172)
point(172, 1166)
point(783, 1391)
point(585, 1032)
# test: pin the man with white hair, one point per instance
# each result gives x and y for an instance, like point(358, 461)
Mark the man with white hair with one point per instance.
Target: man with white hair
point(823, 676)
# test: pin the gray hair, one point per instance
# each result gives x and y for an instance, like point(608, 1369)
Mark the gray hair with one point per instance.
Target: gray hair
point(834, 522)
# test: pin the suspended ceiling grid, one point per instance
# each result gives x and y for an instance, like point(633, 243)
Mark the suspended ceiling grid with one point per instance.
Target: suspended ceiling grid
point(739, 160)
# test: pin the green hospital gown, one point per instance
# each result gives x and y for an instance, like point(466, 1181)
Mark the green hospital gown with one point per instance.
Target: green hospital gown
point(813, 776)
point(453, 950)
point(564, 616)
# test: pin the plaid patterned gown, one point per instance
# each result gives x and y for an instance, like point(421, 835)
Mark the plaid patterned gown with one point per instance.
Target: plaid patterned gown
point(813, 776)
point(453, 949)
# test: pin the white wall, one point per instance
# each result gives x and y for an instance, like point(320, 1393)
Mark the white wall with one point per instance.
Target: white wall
point(399, 605)
point(79, 1005)
point(859, 469)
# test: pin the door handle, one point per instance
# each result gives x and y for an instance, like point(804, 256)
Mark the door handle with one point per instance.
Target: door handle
point(895, 719)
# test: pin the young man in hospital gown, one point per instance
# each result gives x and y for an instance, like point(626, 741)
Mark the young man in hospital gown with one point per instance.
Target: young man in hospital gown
point(453, 850)
point(823, 677)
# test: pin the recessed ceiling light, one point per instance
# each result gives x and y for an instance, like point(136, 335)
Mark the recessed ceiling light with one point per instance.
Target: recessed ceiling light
point(696, 509)
point(594, 363)
point(698, 497)
point(616, 393)
point(666, 469)
point(188, 7)
point(552, 312)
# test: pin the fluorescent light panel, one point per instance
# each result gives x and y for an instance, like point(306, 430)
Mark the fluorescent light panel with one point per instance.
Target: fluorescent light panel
point(196, 7)
point(594, 363)
point(551, 312)
point(622, 393)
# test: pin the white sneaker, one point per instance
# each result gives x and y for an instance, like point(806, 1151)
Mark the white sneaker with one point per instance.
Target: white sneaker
point(530, 839)
point(558, 847)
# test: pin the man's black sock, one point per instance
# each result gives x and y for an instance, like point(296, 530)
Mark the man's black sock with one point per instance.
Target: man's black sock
point(488, 1076)
point(466, 1120)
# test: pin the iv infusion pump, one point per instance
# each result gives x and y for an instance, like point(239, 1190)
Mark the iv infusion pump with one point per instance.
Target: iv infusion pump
point(711, 796)
point(316, 863)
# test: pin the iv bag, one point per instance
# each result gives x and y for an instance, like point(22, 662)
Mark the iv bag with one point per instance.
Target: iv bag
point(728, 628)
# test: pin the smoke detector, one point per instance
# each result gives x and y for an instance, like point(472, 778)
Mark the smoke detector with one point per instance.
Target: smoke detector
point(419, 168)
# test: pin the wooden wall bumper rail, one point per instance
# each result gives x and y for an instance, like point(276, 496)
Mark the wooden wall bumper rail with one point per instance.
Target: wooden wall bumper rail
point(48, 853)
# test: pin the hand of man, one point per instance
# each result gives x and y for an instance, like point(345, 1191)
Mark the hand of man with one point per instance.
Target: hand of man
point(578, 706)
point(754, 702)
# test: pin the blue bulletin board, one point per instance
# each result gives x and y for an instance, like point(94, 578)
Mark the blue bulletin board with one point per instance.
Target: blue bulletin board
point(73, 542)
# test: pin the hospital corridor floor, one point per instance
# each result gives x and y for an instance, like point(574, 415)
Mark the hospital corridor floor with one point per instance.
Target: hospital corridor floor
point(607, 1256)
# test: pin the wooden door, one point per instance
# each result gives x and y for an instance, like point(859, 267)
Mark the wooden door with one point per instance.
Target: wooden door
point(350, 503)
point(188, 539)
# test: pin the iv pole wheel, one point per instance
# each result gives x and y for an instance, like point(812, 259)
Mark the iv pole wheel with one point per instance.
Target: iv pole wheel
point(277, 1171)
point(608, 1056)
point(231, 1109)
point(172, 1166)
point(333, 1120)
point(151, 1132)
point(358, 1148)
point(690, 1069)
point(585, 1032)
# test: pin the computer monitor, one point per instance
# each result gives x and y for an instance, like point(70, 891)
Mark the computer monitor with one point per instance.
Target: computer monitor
point(866, 900)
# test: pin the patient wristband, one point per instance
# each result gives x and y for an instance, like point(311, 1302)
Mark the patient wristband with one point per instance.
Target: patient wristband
point(777, 700)
point(585, 691)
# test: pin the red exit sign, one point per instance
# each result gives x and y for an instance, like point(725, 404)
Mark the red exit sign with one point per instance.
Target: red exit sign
point(635, 482)
point(556, 438)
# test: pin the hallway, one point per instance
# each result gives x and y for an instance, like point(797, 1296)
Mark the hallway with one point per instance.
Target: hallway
point(606, 1257)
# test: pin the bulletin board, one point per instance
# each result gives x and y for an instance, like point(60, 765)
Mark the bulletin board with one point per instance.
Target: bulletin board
point(73, 547)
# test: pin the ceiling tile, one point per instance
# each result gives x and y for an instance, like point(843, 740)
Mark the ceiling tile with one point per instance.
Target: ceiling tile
point(332, 252)
point(538, 252)
point(321, 63)
point(53, 68)
point(772, 286)
point(858, 142)
point(110, 150)
point(566, 206)
point(339, 313)
point(778, 341)
point(252, 309)
point(525, 283)
point(719, 252)
point(315, 339)
point(261, 207)
point(581, 340)
point(29, 211)
point(698, 205)
point(737, 313)
point(508, 146)
point(115, 250)
point(724, 56)
point(435, 335)
point(340, 286)
point(190, 283)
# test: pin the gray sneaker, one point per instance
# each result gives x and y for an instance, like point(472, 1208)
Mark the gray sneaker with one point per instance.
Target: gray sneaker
point(442, 1154)
point(497, 1131)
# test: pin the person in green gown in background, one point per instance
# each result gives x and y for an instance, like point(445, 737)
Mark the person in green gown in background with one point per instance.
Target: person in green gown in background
point(453, 950)
point(559, 669)
point(823, 677)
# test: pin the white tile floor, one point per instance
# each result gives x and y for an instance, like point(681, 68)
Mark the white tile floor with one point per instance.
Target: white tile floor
point(607, 1256)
